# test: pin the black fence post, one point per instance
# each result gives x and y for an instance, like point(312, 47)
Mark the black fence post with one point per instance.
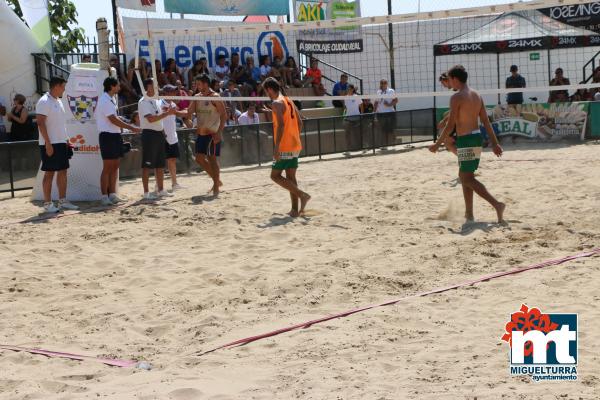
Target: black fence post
point(10, 172)
point(258, 143)
point(411, 125)
point(373, 133)
point(434, 117)
point(186, 141)
point(334, 135)
point(319, 136)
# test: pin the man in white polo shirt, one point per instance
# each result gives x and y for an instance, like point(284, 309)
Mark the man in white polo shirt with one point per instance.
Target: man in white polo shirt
point(111, 144)
point(250, 117)
point(153, 140)
point(50, 117)
point(170, 126)
point(386, 113)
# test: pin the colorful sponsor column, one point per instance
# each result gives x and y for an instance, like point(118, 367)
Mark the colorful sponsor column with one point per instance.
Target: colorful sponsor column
point(83, 90)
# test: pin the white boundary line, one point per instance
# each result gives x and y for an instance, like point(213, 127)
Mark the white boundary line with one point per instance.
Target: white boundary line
point(237, 27)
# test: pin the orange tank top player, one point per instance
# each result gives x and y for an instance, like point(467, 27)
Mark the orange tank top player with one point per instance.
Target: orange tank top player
point(287, 125)
point(290, 144)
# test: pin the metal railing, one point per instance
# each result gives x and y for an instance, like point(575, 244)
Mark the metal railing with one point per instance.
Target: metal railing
point(45, 69)
point(592, 63)
point(249, 145)
point(331, 66)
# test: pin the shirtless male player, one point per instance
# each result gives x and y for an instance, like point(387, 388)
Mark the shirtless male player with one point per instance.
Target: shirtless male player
point(466, 108)
point(211, 117)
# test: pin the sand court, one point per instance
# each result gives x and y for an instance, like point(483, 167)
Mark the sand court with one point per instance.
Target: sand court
point(164, 281)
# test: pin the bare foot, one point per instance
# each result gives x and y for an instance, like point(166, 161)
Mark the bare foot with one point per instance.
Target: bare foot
point(500, 211)
point(469, 218)
point(294, 213)
point(304, 198)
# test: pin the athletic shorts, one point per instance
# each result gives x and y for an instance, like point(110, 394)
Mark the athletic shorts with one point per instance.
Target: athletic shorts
point(288, 163)
point(153, 149)
point(171, 150)
point(206, 145)
point(469, 151)
point(111, 145)
point(59, 160)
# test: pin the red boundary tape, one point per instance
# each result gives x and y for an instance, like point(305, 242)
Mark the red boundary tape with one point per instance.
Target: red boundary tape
point(484, 278)
point(48, 353)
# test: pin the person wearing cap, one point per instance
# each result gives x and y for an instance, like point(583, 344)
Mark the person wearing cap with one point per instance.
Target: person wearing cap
point(515, 80)
point(559, 80)
point(170, 127)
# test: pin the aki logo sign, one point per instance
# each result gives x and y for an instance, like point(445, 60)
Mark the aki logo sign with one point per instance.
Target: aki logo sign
point(311, 11)
point(542, 346)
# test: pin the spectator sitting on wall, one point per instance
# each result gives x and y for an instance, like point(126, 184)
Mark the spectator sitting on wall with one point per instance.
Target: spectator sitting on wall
point(236, 70)
point(559, 80)
point(265, 67)
point(162, 78)
point(248, 78)
point(278, 72)
point(20, 129)
point(172, 73)
point(180, 91)
point(232, 91)
point(232, 117)
point(313, 78)
point(250, 117)
point(222, 70)
point(515, 80)
point(292, 72)
point(340, 89)
point(200, 67)
point(215, 85)
point(582, 95)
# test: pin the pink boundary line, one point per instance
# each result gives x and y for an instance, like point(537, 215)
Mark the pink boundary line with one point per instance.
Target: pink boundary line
point(307, 324)
point(57, 354)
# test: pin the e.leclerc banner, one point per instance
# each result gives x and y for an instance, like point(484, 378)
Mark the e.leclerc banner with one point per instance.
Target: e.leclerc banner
point(228, 7)
point(328, 41)
point(546, 121)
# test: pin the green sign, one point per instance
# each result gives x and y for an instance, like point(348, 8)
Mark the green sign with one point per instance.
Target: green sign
point(534, 56)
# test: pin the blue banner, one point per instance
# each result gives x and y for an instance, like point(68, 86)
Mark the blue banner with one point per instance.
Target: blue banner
point(228, 7)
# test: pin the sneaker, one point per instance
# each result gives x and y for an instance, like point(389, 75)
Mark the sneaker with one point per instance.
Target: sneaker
point(67, 205)
point(50, 208)
point(150, 196)
point(164, 193)
point(105, 201)
point(177, 186)
point(115, 199)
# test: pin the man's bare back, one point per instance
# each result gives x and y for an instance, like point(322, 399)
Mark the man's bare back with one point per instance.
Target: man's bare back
point(468, 109)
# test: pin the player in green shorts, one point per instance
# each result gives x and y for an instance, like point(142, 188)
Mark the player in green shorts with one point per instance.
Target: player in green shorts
point(466, 109)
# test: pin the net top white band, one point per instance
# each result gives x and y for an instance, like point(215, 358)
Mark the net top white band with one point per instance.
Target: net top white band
point(397, 95)
point(410, 17)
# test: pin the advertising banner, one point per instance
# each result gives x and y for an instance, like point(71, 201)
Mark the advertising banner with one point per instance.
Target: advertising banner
point(328, 41)
point(585, 15)
point(83, 90)
point(546, 121)
point(228, 7)
point(185, 50)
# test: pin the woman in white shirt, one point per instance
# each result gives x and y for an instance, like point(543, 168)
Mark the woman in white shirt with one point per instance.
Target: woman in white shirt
point(352, 120)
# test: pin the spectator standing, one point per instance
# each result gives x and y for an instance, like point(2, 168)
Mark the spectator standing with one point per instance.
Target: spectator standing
point(352, 118)
point(340, 89)
point(109, 138)
point(54, 150)
point(386, 113)
point(515, 80)
point(559, 80)
point(19, 129)
point(250, 117)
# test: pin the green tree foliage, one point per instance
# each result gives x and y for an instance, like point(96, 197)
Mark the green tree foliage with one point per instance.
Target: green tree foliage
point(63, 22)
